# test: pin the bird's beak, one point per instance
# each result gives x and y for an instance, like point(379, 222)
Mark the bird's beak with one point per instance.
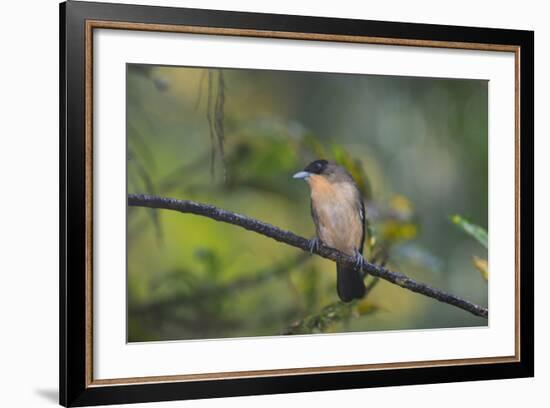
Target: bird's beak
point(302, 175)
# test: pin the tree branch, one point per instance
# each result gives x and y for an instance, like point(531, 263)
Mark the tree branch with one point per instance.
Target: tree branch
point(289, 238)
point(202, 293)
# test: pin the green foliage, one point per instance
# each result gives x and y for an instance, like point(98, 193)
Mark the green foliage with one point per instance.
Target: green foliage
point(355, 168)
point(478, 233)
point(471, 229)
point(262, 164)
point(332, 316)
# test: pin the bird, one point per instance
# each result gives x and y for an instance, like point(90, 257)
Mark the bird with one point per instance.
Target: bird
point(338, 213)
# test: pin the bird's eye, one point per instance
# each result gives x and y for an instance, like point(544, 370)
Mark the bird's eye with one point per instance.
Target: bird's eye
point(316, 167)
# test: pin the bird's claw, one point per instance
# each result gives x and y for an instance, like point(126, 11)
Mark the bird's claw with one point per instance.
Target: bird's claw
point(359, 260)
point(313, 245)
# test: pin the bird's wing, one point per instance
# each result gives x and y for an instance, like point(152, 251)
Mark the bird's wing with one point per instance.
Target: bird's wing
point(315, 219)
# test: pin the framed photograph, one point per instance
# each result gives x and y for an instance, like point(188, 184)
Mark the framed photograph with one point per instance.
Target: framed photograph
point(255, 203)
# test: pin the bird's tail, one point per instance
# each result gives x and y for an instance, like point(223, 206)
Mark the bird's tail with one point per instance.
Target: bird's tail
point(349, 283)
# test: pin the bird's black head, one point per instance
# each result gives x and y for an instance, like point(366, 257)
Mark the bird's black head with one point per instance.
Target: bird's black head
point(326, 169)
point(317, 167)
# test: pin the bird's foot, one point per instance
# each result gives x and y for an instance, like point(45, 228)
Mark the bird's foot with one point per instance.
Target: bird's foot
point(359, 260)
point(314, 244)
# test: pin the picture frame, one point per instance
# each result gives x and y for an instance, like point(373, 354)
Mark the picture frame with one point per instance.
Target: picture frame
point(79, 21)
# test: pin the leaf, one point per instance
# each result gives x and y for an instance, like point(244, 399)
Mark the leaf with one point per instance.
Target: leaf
point(401, 207)
point(482, 266)
point(393, 230)
point(366, 307)
point(471, 229)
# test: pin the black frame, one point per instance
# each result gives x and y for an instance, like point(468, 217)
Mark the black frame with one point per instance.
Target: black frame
point(73, 390)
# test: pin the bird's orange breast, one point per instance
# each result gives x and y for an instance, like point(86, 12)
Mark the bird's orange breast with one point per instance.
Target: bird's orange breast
point(337, 208)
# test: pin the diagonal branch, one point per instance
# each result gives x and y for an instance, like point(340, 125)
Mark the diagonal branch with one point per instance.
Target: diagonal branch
point(289, 238)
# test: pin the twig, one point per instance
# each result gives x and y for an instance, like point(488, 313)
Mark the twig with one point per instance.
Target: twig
point(209, 119)
point(201, 294)
point(289, 238)
point(319, 322)
point(329, 314)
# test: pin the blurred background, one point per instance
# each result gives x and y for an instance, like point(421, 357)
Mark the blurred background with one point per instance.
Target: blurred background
point(233, 138)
